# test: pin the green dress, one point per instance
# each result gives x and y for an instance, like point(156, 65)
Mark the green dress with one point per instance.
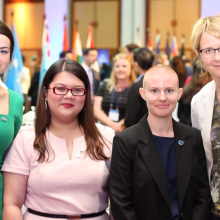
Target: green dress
point(9, 126)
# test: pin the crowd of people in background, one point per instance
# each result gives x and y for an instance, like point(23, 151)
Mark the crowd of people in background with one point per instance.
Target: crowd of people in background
point(114, 122)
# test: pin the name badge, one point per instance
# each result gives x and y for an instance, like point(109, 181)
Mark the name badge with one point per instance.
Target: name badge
point(113, 114)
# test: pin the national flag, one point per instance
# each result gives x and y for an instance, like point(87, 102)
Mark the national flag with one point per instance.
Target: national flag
point(167, 48)
point(77, 46)
point(90, 40)
point(158, 43)
point(65, 37)
point(182, 52)
point(150, 44)
point(138, 37)
point(12, 74)
point(174, 48)
point(45, 62)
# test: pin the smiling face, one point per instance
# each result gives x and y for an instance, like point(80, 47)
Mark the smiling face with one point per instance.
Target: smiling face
point(65, 108)
point(4, 53)
point(212, 64)
point(122, 69)
point(161, 91)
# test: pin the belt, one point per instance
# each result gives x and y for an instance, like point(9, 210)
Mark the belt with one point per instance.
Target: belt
point(77, 216)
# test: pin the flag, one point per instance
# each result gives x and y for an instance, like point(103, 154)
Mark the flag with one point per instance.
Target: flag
point(138, 37)
point(158, 44)
point(90, 41)
point(77, 46)
point(150, 45)
point(65, 38)
point(12, 74)
point(45, 62)
point(174, 48)
point(167, 48)
point(182, 52)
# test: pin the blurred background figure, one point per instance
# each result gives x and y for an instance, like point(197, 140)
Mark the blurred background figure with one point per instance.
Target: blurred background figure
point(193, 87)
point(129, 49)
point(66, 54)
point(33, 91)
point(90, 56)
point(178, 65)
point(136, 107)
point(25, 81)
point(110, 102)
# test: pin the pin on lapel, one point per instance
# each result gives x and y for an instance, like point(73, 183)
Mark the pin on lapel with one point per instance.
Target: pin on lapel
point(180, 142)
point(3, 119)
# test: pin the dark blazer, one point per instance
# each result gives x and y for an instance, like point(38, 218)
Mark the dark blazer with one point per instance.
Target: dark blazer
point(96, 81)
point(136, 107)
point(138, 186)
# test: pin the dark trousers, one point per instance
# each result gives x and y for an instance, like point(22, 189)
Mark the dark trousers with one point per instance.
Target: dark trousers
point(214, 217)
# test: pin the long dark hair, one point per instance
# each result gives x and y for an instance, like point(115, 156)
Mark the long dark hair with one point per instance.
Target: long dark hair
point(94, 139)
point(4, 30)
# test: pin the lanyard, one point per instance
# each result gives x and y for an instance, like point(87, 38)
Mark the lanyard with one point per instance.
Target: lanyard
point(119, 98)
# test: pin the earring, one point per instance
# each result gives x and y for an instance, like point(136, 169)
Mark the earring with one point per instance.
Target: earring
point(45, 104)
point(202, 73)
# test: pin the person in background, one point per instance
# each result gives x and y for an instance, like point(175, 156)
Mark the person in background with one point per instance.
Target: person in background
point(60, 167)
point(34, 88)
point(66, 54)
point(178, 65)
point(205, 40)
point(193, 87)
point(158, 167)
point(136, 107)
point(11, 106)
point(90, 57)
point(25, 80)
point(110, 102)
point(129, 49)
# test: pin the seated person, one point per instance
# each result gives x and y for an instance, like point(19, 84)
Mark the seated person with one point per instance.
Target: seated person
point(110, 102)
point(158, 167)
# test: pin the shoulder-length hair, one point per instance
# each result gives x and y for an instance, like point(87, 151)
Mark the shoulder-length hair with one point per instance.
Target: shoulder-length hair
point(113, 80)
point(210, 25)
point(94, 139)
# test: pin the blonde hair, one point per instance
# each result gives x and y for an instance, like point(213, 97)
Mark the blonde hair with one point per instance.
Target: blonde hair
point(209, 25)
point(113, 80)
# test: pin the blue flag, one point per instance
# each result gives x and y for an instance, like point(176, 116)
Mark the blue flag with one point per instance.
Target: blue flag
point(45, 63)
point(12, 74)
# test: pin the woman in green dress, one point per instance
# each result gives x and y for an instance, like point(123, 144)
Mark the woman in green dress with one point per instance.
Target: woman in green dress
point(10, 102)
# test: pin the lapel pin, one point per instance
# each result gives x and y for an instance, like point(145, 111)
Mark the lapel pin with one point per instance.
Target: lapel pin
point(78, 154)
point(180, 142)
point(3, 119)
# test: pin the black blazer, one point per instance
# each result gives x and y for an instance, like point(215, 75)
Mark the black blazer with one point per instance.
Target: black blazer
point(138, 186)
point(136, 107)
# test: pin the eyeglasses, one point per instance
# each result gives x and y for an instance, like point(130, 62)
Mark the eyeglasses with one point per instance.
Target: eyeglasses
point(64, 91)
point(208, 52)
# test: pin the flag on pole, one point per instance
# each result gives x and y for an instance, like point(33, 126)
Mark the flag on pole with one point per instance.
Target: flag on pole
point(45, 62)
point(138, 37)
point(12, 74)
point(90, 40)
point(167, 47)
point(150, 44)
point(77, 46)
point(158, 43)
point(182, 52)
point(65, 36)
point(174, 48)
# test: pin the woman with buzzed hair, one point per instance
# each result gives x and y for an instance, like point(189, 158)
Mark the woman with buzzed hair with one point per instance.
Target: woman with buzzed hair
point(158, 167)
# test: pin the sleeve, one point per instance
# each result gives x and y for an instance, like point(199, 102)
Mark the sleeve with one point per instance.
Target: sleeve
point(101, 89)
point(133, 107)
point(18, 117)
point(202, 205)
point(194, 115)
point(17, 160)
point(121, 199)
